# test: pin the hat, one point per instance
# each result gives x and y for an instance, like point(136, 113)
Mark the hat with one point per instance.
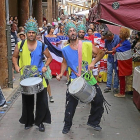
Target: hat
point(81, 27)
point(69, 25)
point(21, 33)
point(49, 24)
point(55, 20)
point(41, 30)
point(31, 25)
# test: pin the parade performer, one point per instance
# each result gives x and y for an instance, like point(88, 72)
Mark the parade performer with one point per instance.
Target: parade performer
point(31, 54)
point(70, 59)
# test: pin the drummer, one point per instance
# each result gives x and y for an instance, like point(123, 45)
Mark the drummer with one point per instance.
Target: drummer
point(72, 62)
point(31, 54)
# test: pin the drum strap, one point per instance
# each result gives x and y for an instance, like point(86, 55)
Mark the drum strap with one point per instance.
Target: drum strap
point(43, 45)
point(21, 45)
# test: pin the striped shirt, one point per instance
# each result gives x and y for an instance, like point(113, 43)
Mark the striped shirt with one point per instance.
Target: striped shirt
point(13, 41)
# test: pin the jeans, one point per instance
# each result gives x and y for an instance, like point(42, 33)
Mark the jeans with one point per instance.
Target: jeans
point(110, 67)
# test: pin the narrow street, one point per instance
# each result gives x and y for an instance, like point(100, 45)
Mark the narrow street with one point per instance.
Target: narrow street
point(122, 122)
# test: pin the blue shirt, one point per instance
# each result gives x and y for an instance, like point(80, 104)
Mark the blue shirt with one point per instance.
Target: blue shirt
point(37, 57)
point(71, 57)
point(111, 44)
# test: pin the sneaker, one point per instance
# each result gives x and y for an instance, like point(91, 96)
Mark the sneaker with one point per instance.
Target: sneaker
point(67, 82)
point(107, 89)
point(119, 95)
point(65, 130)
point(95, 127)
point(115, 90)
point(51, 99)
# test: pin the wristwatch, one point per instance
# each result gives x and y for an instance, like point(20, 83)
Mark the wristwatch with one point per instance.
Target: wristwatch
point(46, 65)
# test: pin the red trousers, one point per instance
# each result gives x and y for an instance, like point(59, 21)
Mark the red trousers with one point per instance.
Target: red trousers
point(122, 84)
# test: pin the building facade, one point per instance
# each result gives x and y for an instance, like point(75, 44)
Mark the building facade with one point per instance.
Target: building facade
point(21, 9)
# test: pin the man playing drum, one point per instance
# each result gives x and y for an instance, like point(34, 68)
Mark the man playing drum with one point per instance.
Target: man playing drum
point(31, 54)
point(70, 59)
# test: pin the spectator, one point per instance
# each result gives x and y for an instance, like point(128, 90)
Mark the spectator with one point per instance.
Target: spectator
point(111, 41)
point(44, 26)
point(90, 35)
point(15, 20)
point(57, 30)
point(13, 36)
point(20, 29)
point(96, 69)
point(124, 59)
point(11, 20)
point(14, 41)
point(46, 29)
point(21, 36)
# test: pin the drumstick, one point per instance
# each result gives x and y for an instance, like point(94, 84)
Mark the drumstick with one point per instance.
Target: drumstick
point(21, 68)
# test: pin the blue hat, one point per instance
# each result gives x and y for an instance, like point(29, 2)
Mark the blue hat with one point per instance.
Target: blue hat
point(81, 27)
point(31, 25)
point(69, 25)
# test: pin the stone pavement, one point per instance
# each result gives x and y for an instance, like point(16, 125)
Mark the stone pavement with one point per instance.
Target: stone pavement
point(8, 92)
point(122, 122)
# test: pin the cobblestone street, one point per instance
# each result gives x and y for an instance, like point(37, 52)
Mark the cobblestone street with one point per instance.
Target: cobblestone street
point(122, 122)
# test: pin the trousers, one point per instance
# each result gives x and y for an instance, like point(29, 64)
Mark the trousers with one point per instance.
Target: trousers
point(110, 67)
point(122, 84)
point(96, 111)
point(42, 113)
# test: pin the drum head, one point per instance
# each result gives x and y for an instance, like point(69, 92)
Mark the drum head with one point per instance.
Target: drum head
point(76, 85)
point(31, 81)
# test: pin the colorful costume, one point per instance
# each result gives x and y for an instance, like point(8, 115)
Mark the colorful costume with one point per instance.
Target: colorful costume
point(96, 105)
point(55, 52)
point(33, 58)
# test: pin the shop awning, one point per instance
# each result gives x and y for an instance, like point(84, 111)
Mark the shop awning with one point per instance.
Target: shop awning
point(121, 13)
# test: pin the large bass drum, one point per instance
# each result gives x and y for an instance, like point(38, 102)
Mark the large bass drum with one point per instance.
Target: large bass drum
point(31, 85)
point(79, 88)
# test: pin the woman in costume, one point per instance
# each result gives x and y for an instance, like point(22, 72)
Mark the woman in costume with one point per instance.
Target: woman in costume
point(62, 37)
point(53, 43)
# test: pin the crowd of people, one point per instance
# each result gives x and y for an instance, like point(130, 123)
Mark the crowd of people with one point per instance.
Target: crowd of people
point(107, 56)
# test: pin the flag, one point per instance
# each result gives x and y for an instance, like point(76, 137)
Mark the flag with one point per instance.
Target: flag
point(124, 58)
point(56, 54)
